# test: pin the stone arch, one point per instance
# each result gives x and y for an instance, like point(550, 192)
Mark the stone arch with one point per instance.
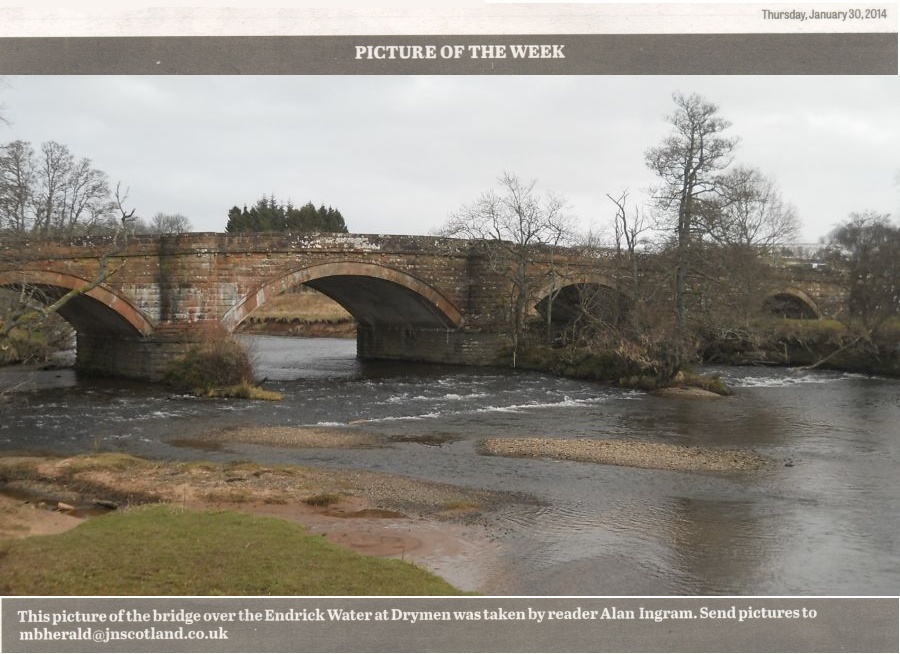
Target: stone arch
point(98, 310)
point(791, 303)
point(372, 294)
point(574, 295)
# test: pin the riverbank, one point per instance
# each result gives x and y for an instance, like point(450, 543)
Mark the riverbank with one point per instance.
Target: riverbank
point(435, 526)
point(164, 549)
point(298, 328)
point(820, 343)
point(607, 367)
point(301, 314)
point(442, 528)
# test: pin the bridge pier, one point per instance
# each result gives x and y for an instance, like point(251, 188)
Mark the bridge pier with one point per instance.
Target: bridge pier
point(134, 357)
point(146, 358)
point(430, 345)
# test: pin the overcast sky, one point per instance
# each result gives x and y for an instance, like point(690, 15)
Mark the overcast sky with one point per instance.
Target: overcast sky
point(400, 154)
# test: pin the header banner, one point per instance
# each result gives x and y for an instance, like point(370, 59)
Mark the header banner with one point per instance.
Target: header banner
point(539, 54)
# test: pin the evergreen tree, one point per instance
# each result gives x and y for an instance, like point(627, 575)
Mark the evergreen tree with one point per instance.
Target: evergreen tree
point(270, 215)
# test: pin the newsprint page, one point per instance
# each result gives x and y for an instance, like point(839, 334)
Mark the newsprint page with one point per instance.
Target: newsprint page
point(475, 327)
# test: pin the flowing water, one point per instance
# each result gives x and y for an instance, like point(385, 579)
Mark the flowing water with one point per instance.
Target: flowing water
point(822, 521)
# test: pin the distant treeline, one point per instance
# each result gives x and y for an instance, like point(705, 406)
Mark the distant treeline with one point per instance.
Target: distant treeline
point(270, 215)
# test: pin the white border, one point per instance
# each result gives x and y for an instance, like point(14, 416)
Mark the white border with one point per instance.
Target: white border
point(497, 18)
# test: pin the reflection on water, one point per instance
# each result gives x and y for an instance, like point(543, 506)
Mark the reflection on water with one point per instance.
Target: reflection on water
point(822, 520)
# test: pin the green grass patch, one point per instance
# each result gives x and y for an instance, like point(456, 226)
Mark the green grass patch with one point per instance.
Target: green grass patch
point(160, 550)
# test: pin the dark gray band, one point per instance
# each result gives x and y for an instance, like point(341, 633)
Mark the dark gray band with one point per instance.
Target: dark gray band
point(598, 54)
point(473, 624)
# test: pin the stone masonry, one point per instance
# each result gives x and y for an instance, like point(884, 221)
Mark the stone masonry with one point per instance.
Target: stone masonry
point(416, 298)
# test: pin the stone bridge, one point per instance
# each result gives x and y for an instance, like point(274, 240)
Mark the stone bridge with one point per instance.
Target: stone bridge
point(414, 298)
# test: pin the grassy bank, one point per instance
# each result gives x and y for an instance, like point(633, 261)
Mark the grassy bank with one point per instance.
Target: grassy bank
point(822, 343)
point(161, 550)
point(300, 314)
point(204, 513)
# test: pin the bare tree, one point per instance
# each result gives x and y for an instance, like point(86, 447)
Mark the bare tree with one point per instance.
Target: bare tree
point(738, 228)
point(33, 307)
point(689, 164)
point(749, 211)
point(51, 193)
point(630, 235)
point(867, 249)
point(166, 223)
point(515, 222)
point(17, 183)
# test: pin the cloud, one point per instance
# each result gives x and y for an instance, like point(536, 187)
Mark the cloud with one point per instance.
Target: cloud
point(399, 154)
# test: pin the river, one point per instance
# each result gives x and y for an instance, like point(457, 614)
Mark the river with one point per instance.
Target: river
point(822, 521)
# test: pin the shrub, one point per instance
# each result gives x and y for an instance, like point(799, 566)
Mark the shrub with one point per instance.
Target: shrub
point(217, 362)
point(711, 383)
point(579, 363)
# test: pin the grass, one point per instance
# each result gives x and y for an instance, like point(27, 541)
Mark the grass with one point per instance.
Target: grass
point(243, 391)
point(460, 505)
point(711, 383)
point(229, 496)
point(823, 329)
point(684, 379)
point(105, 461)
point(830, 330)
point(831, 344)
point(311, 307)
point(160, 550)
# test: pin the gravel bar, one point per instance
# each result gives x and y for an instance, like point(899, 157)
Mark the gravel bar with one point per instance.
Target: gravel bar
point(311, 437)
point(659, 456)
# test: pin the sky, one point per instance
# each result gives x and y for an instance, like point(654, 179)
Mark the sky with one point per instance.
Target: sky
point(400, 154)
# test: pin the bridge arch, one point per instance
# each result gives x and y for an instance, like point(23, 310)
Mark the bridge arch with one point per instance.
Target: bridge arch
point(371, 293)
point(574, 295)
point(98, 310)
point(791, 303)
